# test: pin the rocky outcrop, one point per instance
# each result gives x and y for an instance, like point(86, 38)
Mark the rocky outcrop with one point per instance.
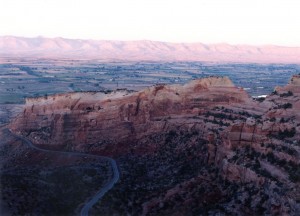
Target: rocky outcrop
point(206, 135)
point(77, 120)
point(293, 85)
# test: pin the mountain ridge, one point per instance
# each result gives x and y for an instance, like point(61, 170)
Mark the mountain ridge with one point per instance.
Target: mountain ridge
point(144, 50)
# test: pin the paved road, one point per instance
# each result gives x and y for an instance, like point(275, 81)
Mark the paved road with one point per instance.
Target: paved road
point(97, 197)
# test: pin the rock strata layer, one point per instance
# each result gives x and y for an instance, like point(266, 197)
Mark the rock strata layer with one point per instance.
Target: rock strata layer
point(249, 142)
point(76, 120)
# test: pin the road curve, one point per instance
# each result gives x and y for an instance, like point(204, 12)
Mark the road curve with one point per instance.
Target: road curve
point(97, 197)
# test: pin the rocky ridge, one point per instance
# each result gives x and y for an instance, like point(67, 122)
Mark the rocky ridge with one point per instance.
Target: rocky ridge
point(120, 116)
point(144, 50)
point(241, 154)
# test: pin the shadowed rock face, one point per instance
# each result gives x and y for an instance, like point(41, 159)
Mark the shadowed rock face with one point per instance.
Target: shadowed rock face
point(207, 123)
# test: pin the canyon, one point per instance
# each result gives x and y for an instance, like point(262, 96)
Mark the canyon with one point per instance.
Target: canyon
point(205, 147)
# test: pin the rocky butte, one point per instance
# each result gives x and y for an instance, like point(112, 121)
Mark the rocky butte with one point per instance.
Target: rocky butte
point(78, 120)
point(205, 147)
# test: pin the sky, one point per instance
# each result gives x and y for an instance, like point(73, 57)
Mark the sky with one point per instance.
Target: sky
point(254, 22)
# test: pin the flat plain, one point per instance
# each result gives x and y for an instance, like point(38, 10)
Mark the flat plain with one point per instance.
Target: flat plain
point(21, 78)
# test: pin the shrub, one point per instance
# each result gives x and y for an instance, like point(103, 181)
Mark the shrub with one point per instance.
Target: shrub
point(286, 133)
point(271, 157)
point(286, 94)
point(261, 99)
point(295, 175)
point(287, 106)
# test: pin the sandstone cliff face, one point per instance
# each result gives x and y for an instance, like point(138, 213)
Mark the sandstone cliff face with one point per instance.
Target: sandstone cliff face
point(293, 85)
point(274, 129)
point(76, 120)
point(206, 123)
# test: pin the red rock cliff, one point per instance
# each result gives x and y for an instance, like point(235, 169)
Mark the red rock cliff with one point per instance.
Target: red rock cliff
point(79, 119)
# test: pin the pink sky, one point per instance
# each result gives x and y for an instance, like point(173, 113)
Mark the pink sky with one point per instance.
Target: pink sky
point(208, 21)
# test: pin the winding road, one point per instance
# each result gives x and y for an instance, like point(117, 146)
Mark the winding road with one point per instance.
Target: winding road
point(97, 197)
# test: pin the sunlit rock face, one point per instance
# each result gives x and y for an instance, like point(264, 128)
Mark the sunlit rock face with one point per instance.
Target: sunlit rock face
point(110, 122)
point(293, 85)
point(79, 119)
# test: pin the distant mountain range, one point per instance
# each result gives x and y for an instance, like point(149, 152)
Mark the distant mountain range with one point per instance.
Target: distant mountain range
point(144, 50)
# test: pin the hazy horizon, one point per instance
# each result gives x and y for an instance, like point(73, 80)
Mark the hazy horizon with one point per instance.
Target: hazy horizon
point(140, 40)
point(146, 50)
point(211, 22)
